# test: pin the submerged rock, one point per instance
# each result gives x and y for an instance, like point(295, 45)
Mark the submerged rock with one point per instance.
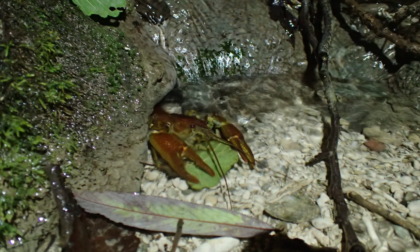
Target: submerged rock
point(155, 12)
point(293, 208)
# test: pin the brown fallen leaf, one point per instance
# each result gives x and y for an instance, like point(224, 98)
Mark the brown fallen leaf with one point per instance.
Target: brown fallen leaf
point(375, 145)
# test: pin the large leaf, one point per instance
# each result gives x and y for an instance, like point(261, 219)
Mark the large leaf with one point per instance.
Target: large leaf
point(226, 158)
point(162, 215)
point(102, 8)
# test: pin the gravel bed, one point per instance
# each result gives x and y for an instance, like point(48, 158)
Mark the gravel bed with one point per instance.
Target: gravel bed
point(283, 138)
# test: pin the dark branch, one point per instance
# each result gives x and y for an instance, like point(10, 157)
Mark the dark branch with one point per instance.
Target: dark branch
point(386, 213)
point(377, 27)
point(331, 135)
point(177, 234)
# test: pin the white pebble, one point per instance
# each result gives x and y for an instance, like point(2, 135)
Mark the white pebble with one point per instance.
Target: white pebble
point(397, 245)
point(399, 195)
point(406, 180)
point(416, 174)
point(414, 207)
point(246, 195)
point(222, 244)
point(210, 200)
point(323, 239)
point(180, 184)
point(322, 223)
point(163, 243)
point(152, 175)
point(323, 199)
point(353, 155)
point(416, 165)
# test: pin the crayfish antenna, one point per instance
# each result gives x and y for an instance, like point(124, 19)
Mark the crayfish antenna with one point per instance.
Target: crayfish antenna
point(220, 172)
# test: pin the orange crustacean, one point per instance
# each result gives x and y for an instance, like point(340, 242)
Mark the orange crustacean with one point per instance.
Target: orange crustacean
point(173, 136)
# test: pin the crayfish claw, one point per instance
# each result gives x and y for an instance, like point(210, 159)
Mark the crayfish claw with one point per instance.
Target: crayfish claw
point(234, 136)
point(172, 149)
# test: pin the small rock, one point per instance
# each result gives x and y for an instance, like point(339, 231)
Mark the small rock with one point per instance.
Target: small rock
point(375, 145)
point(246, 195)
point(397, 245)
point(293, 208)
point(406, 180)
point(155, 12)
point(289, 145)
point(397, 191)
point(373, 131)
point(180, 184)
point(376, 133)
point(323, 199)
point(414, 207)
point(274, 149)
point(414, 138)
point(344, 123)
point(416, 174)
point(416, 165)
point(222, 244)
point(402, 232)
point(411, 196)
point(322, 223)
point(210, 200)
point(163, 243)
point(353, 155)
point(151, 175)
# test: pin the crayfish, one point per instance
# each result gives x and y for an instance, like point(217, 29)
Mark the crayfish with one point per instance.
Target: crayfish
point(173, 137)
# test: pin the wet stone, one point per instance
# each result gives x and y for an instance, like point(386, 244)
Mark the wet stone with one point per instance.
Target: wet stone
point(322, 223)
point(401, 232)
point(397, 245)
point(414, 207)
point(153, 11)
point(293, 208)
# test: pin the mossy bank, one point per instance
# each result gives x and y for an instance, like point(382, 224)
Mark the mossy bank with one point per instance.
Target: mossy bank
point(73, 94)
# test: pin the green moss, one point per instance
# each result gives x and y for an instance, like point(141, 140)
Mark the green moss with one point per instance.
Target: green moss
point(21, 177)
point(113, 58)
point(225, 61)
point(30, 87)
point(54, 80)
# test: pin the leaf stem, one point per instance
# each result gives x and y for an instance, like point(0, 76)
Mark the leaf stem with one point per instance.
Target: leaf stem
point(177, 234)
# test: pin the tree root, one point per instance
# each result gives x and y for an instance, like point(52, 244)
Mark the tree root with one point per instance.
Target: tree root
point(377, 27)
point(328, 153)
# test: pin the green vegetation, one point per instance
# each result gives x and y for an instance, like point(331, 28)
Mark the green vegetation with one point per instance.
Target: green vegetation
point(226, 61)
point(62, 76)
point(113, 57)
point(57, 72)
point(220, 157)
point(103, 8)
point(30, 89)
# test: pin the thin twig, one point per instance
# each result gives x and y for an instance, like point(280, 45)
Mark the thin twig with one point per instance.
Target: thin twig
point(177, 234)
point(386, 213)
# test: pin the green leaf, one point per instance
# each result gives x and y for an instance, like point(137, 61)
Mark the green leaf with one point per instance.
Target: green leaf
point(226, 156)
point(162, 215)
point(102, 8)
